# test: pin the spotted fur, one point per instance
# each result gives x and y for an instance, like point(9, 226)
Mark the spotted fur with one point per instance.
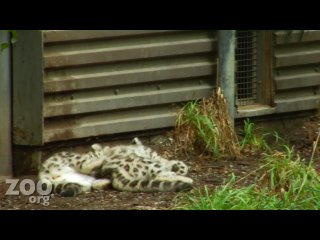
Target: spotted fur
point(134, 168)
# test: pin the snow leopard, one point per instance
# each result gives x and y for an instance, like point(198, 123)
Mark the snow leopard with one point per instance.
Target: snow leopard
point(133, 168)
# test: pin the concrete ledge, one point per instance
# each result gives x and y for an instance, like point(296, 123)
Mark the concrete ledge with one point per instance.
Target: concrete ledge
point(254, 111)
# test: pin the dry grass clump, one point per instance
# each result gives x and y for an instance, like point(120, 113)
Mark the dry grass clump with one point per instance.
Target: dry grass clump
point(204, 127)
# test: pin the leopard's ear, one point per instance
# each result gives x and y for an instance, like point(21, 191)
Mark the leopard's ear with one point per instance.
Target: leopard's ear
point(136, 141)
point(106, 149)
point(96, 147)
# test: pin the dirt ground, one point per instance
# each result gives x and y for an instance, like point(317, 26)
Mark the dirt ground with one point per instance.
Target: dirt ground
point(204, 172)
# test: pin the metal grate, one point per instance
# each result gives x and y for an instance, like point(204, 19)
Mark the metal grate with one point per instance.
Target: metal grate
point(246, 69)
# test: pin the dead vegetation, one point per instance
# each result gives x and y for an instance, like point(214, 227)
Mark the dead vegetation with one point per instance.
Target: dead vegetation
point(204, 127)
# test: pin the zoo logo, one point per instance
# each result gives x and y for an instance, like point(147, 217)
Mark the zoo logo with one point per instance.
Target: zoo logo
point(44, 192)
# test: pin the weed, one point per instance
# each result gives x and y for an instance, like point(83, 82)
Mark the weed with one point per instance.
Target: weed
point(204, 127)
point(256, 139)
point(229, 197)
point(284, 181)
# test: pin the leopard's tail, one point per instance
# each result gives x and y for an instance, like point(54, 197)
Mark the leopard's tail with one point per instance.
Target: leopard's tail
point(177, 184)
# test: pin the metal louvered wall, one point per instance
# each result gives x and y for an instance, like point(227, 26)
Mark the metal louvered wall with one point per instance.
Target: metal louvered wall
point(113, 81)
point(297, 71)
point(75, 84)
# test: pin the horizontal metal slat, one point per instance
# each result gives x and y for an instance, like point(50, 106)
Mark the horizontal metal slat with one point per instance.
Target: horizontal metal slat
point(299, 58)
point(50, 36)
point(138, 124)
point(137, 120)
point(297, 104)
point(52, 109)
point(298, 81)
point(254, 110)
point(296, 93)
point(64, 59)
point(85, 81)
point(295, 37)
point(127, 41)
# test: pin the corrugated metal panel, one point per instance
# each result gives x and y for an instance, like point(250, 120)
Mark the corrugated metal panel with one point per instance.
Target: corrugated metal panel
point(106, 82)
point(297, 70)
point(67, 35)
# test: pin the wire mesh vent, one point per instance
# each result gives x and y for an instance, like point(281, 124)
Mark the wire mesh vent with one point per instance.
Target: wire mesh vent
point(246, 68)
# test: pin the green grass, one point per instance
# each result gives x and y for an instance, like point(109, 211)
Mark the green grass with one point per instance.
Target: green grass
point(283, 182)
point(251, 138)
point(205, 127)
point(257, 138)
point(230, 198)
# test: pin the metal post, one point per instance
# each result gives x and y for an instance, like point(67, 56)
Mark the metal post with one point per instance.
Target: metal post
point(226, 68)
point(5, 114)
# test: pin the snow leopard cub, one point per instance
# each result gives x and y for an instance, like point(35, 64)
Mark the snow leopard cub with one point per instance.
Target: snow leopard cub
point(137, 168)
point(72, 173)
point(134, 168)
